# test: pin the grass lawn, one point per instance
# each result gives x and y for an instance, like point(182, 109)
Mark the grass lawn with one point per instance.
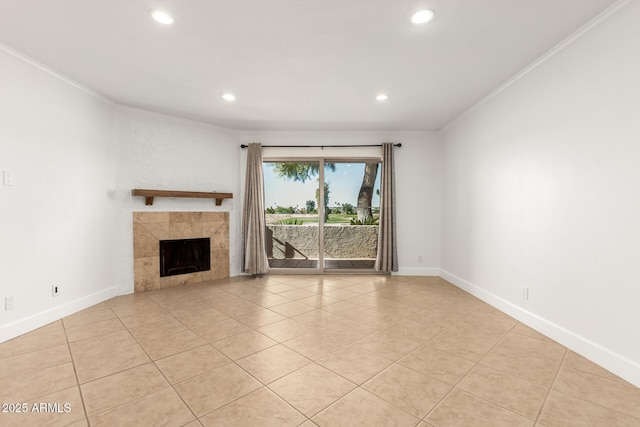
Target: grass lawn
point(333, 219)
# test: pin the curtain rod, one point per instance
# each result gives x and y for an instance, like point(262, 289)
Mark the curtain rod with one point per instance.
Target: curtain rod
point(320, 146)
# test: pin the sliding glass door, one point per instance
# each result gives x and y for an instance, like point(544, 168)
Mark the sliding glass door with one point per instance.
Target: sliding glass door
point(352, 193)
point(321, 214)
point(292, 190)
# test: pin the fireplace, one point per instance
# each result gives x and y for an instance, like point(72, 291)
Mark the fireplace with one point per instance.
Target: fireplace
point(182, 256)
point(150, 228)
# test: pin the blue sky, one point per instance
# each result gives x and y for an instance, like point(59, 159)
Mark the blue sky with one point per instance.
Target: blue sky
point(344, 185)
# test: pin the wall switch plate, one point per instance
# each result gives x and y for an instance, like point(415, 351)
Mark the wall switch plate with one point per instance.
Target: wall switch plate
point(8, 178)
point(54, 290)
point(9, 303)
point(525, 293)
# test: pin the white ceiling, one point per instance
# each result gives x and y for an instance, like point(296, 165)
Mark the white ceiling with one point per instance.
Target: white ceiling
point(294, 64)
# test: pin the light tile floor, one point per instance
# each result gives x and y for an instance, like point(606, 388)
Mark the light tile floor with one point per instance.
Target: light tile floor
point(304, 350)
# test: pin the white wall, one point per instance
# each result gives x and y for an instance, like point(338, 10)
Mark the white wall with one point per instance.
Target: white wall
point(163, 152)
point(166, 153)
point(56, 221)
point(419, 174)
point(542, 191)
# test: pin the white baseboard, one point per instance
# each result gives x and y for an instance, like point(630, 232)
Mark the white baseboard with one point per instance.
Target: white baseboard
point(37, 320)
point(623, 367)
point(420, 271)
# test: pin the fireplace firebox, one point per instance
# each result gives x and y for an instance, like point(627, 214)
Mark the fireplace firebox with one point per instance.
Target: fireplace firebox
point(184, 256)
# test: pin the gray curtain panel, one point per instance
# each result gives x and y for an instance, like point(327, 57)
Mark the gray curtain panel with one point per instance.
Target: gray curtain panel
point(253, 226)
point(387, 259)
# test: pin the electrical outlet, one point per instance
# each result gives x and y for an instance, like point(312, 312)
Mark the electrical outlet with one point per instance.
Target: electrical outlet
point(9, 303)
point(54, 290)
point(525, 293)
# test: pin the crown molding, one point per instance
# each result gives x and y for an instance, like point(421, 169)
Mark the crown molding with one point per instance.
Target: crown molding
point(51, 72)
point(604, 18)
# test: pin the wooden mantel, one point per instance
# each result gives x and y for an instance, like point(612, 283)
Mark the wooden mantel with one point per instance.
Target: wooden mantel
point(150, 194)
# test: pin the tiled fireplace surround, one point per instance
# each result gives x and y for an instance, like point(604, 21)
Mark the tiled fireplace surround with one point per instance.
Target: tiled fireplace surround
point(151, 227)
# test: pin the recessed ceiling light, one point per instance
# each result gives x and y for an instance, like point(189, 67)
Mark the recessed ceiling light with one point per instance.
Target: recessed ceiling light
point(161, 17)
point(382, 97)
point(229, 97)
point(422, 16)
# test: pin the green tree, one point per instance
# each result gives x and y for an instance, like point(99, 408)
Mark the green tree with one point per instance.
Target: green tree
point(303, 171)
point(347, 208)
point(285, 210)
point(311, 206)
point(326, 200)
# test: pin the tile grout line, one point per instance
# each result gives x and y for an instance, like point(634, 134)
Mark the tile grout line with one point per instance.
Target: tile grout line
point(361, 386)
point(555, 378)
point(134, 367)
point(20, 355)
point(296, 370)
point(155, 364)
point(315, 328)
point(170, 385)
point(598, 405)
point(75, 371)
point(578, 397)
point(392, 363)
point(454, 387)
point(232, 361)
point(263, 385)
point(114, 373)
point(53, 366)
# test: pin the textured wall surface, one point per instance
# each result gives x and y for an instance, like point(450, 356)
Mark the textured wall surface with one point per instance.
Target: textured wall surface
point(301, 241)
point(166, 153)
